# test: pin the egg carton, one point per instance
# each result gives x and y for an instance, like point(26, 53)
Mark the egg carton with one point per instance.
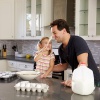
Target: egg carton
point(34, 87)
point(6, 74)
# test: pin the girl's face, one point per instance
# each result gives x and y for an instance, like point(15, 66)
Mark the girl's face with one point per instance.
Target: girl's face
point(44, 43)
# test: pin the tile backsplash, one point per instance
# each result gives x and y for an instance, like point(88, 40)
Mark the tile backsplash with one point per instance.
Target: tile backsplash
point(24, 46)
point(30, 47)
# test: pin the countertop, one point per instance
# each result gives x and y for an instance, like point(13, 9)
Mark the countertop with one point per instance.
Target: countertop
point(56, 92)
point(22, 59)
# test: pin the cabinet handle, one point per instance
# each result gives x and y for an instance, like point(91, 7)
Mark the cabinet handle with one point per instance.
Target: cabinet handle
point(25, 66)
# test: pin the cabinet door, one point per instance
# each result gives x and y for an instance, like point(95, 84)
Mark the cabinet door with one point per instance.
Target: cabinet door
point(92, 6)
point(87, 19)
point(12, 66)
point(19, 19)
point(3, 65)
point(38, 16)
point(6, 19)
point(98, 19)
point(31, 17)
point(25, 19)
point(94, 21)
point(81, 18)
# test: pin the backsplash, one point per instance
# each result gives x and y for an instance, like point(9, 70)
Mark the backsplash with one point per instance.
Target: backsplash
point(24, 46)
point(29, 47)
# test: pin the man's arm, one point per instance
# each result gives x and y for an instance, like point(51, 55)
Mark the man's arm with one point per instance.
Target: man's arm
point(60, 67)
point(83, 58)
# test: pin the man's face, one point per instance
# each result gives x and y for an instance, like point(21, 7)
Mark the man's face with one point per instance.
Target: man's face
point(58, 35)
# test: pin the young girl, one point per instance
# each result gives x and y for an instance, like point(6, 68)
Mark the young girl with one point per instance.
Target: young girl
point(44, 58)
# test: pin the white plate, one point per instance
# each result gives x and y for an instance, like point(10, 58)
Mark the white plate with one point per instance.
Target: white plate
point(20, 55)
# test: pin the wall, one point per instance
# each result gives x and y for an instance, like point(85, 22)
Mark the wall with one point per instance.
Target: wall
point(24, 46)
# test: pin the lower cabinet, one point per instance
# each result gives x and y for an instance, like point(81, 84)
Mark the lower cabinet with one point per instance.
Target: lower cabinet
point(19, 66)
point(11, 66)
point(24, 66)
point(3, 65)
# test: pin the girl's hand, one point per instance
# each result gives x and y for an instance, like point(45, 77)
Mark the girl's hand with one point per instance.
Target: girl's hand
point(43, 49)
point(43, 76)
point(67, 83)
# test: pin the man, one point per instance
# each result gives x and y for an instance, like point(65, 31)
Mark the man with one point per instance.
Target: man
point(73, 51)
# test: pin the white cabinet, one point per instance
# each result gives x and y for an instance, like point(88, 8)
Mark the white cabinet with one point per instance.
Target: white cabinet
point(12, 65)
point(87, 19)
point(98, 18)
point(3, 65)
point(19, 19)
point(30, 18)
point(19, 66)
point(6, 19)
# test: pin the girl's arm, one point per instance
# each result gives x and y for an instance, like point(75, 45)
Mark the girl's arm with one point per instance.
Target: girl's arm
point(50, 69)
point(37, 56)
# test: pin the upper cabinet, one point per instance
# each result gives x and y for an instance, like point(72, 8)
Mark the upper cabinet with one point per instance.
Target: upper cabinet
point(19, 19)
point(32, 17)
point(98, 18)
point(6, 19)
point(87, 19)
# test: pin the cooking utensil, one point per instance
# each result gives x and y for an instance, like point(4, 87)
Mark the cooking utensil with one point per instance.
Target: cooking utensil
point(50, 39)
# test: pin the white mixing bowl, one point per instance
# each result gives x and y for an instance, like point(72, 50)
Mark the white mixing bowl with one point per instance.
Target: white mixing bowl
point(28, 75)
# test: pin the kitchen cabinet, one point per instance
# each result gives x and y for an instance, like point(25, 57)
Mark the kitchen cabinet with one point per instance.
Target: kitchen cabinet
point(22, 66)
point(6, 19)
point(3, 65)
point(31, 17)
point(12, 66)
point(19, 19)
point(87, 19)
point(19, 66)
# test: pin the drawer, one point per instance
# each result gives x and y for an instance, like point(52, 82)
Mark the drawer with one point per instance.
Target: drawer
point(12, 64)
point(25, 66)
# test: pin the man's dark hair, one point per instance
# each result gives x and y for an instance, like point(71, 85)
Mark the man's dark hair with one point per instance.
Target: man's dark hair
point(61, 24)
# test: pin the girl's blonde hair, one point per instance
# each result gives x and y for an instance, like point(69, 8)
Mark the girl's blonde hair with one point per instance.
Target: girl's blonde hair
point(40, 42)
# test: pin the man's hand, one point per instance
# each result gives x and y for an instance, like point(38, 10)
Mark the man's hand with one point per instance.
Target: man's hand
point(67, 83)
